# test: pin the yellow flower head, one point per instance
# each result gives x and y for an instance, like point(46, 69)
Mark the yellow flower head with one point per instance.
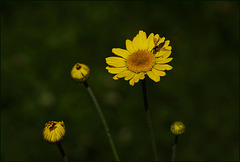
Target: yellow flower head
point(80, 72)
point(54, 131)
point(143, 55)
point(177, 128)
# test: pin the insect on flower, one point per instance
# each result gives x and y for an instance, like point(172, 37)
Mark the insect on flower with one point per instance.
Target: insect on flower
point(157, 48)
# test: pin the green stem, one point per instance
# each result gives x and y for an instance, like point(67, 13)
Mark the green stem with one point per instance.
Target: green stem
point(174, 147)
point(102, 119)
point(148, 118)
point(62, 151)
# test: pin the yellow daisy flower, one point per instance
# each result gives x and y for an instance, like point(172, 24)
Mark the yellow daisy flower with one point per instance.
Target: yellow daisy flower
point(54, 132)
point(143, 55)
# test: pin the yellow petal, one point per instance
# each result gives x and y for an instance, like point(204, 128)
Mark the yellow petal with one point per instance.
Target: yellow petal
point(129, 75)
point(166, 43)
point(163, 67)
point(85, 72)
point(129, 46)
point(150, 42)
point(167, 54)
point(121, 75)
point(161, 60)
point(116, 61)
point(115, 77)
point(158, 72)
point(156, 38)
point(136, 43)
point(169, 48)
point(162, 53)
point(134, 80)
point(161, 40)
point(76, 74)
point(153, 76)
point(121, 52)
point(142, 40)
point(141, 76)
point(114, 70)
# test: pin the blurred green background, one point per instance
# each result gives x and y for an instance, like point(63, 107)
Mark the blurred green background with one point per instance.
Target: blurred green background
point(41, 41)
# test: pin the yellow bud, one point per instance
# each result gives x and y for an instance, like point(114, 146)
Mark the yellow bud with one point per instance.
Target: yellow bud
point(177, 128)
point(80, 72)
point(54, 132)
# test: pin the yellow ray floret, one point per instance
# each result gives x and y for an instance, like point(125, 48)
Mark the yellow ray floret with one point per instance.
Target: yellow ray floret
point(142, 56)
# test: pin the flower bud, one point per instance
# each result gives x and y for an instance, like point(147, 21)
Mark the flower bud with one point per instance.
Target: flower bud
point(177, 128)
point(80, 72)
point(54, 132)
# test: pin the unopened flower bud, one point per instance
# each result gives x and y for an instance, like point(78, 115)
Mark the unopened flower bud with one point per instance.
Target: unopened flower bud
point(54, 132)
point(80, 72)
point(177, 128)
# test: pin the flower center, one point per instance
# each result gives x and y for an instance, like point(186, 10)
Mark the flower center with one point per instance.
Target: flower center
point(140, 61)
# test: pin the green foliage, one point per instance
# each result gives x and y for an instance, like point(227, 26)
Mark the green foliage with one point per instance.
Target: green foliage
point(41, 41)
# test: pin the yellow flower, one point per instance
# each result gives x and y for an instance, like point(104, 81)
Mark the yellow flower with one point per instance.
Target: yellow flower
point(54, 131)
point(177, 128)
point(143, 55)
point(80, 72)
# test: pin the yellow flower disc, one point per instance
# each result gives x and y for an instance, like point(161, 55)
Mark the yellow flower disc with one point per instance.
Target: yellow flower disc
point(142, 56)
point(177, 128)
point(140, 61)
point(54, 132)
point(80, 72)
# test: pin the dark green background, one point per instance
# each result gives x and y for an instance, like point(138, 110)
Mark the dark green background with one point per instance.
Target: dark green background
point(41, 41)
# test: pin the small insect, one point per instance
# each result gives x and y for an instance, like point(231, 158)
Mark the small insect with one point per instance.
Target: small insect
point(158, 47)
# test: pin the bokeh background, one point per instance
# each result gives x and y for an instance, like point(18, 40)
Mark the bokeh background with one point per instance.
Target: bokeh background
point(41, 41)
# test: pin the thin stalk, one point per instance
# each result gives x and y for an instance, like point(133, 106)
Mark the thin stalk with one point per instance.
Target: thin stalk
point(102, 119)
point(174, 147)
point(62, 151)
point(149, 120)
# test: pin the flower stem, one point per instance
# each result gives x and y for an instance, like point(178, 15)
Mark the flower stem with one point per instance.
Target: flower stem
point(62, 152)
point(174, 147)
point(102, 119)
point(148, 118)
